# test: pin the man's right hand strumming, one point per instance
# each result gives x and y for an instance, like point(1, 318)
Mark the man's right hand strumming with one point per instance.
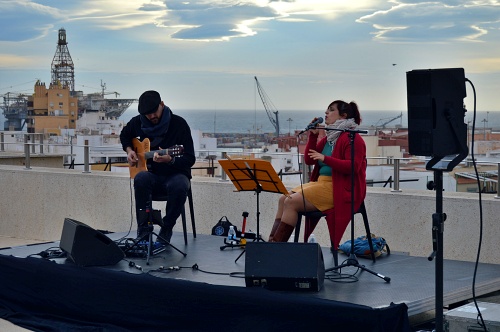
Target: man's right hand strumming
point(132, 157)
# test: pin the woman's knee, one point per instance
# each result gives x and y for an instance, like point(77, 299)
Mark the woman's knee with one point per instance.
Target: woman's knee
point(293, 202)
point(281, 200)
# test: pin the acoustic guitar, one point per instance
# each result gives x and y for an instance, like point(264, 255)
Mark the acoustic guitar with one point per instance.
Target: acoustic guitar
point(143, 154)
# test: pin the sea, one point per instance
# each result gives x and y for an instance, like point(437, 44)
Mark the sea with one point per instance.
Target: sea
point(258, 122)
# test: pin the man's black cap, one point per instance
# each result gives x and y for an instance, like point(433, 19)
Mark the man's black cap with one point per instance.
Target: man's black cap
point(149, 102)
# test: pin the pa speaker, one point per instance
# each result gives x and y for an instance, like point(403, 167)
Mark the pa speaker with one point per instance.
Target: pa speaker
point(284, 266)
point(436, 125)
point(87, 247)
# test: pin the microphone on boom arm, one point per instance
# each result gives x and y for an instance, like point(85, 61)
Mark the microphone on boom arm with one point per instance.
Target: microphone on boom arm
point(312, 125)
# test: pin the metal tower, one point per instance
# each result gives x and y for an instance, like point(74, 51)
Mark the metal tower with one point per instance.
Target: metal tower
point(63, 69)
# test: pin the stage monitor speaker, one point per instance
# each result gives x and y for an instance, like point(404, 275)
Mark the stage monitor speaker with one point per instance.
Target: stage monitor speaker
point(436, 112)
point(284, 266)
point(86, 246)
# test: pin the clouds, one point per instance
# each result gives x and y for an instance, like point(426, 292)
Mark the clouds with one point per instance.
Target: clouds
point(215, 20)
point(304, 50)
point(221, 20)
point(442, 21)
point(209, 20)
point(25, 20)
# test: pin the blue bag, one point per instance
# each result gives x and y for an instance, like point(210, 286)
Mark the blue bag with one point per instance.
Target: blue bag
point(362, 247)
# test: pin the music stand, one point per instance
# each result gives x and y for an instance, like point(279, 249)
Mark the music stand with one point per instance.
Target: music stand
point(253, 175)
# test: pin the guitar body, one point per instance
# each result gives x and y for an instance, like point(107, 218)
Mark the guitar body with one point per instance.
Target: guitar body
point(142, 149)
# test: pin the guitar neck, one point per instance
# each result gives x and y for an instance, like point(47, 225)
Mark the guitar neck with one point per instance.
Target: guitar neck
point(173, 152)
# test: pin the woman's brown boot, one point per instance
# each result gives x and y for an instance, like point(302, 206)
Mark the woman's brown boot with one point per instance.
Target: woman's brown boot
point(283, 232)
point(273, 230)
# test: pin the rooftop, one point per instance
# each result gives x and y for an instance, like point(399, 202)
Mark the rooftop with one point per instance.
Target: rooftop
point(40, 198)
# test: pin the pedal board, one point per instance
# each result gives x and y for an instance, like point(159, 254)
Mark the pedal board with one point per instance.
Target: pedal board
point(140, 249)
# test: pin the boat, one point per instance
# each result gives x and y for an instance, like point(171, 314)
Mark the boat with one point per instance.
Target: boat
point(97, 102)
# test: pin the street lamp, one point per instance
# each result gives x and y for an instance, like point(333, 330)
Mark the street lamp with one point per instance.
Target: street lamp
point(485, 121)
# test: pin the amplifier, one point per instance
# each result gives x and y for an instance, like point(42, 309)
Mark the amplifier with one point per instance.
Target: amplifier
point(88, 247)
point(284, 266)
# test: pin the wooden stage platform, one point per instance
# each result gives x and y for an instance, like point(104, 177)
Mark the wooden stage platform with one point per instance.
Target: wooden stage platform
point(412, 279)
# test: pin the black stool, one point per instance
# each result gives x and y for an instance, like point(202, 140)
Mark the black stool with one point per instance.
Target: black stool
point(159, 197)
point(320, 214)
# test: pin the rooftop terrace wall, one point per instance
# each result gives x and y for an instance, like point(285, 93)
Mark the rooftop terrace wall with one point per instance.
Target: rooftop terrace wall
point(34, 203)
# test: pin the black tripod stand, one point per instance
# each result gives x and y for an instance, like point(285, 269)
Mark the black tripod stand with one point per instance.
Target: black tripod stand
point(353, 260)
point(438, 220)
point(258, 190)
point(147, 238)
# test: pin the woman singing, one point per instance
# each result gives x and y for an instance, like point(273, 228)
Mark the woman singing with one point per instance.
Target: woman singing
point(330, 185)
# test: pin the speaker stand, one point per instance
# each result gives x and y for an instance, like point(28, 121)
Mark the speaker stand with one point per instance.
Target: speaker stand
point(438, 220)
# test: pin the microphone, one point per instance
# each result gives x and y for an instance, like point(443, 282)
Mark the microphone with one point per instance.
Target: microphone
point(312, 125)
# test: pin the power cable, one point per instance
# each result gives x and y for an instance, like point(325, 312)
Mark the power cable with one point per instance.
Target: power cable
point(480, 320)
point(131, 214)
point(195, 267)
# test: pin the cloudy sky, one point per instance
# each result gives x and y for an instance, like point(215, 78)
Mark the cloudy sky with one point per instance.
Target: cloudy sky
point(204, 54)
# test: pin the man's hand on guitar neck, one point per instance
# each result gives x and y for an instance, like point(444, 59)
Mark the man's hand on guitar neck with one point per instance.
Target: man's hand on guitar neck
point(162, 158)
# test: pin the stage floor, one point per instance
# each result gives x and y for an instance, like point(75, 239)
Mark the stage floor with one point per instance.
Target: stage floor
point(412, 279)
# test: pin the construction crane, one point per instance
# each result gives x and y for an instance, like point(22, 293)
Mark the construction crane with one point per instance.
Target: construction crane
point(388, 121)
point(269, 107)
point(103, 87)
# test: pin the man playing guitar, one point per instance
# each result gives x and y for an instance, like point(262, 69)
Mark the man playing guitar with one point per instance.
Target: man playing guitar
point(167, 172)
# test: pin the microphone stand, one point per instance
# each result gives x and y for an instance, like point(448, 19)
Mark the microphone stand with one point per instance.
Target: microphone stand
point(353, 260)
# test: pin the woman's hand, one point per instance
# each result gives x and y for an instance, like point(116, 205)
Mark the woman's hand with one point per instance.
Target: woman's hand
point(315, 130)
point(315, 155)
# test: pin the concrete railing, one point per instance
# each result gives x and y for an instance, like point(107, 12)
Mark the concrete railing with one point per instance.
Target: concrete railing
point(30, 146)
point(34, 203)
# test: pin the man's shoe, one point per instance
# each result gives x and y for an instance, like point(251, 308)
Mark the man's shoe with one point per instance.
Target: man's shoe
point(165, 235)
point(142, 231)
point(157, 219)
